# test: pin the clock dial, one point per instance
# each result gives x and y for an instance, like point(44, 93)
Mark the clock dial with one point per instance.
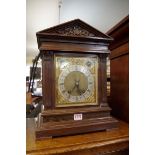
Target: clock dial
point(76, 81)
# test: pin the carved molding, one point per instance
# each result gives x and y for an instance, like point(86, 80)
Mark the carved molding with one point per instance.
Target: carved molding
point(47, 55)
point(74, 30)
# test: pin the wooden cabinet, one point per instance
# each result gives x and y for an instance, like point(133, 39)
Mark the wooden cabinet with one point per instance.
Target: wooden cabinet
point(119, 70)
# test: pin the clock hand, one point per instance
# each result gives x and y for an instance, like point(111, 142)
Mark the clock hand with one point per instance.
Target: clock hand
point(79, 91)
point(76, 84)
point(70, 91)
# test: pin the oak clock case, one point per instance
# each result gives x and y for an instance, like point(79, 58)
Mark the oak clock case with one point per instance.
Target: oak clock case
point(74, 80)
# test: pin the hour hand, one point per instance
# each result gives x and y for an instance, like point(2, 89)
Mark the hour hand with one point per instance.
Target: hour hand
point(76, 85)
point(70, 91)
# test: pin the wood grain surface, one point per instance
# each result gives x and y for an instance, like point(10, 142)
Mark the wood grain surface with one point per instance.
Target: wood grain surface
point(85, 144)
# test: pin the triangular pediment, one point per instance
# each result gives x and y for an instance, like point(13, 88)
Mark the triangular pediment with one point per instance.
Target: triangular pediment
point(74, 28)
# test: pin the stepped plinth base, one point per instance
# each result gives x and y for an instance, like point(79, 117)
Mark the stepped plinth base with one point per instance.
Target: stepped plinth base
point(72, 127)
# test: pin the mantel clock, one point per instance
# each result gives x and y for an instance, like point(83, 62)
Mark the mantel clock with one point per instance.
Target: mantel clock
point(74, 80)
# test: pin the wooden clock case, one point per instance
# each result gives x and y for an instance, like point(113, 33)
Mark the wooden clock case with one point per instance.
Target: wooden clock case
point(74, 38)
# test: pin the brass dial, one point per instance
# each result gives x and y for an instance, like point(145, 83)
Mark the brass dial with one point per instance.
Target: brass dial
point(76, 81)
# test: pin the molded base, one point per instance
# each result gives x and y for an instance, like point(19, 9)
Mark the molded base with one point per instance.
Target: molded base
point(71, 127)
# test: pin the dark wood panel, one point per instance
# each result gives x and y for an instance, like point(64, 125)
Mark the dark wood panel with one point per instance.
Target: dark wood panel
point(73, 47)
point(119, 70)
point(48, 80)
point(120, 87)
point(120, 51)
point(103, 80)
point(87, 112)
point(120, 33)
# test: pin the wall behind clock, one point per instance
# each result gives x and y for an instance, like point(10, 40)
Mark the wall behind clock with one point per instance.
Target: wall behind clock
point(41, 14)
point(102, 14)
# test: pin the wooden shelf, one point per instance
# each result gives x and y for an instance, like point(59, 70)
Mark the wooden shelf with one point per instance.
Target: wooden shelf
point(85, 144)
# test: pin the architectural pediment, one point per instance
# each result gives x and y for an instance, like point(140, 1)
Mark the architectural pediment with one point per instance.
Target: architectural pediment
point(74, 28)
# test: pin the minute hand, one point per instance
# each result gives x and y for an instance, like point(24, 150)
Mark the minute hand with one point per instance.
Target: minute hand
point(79, 91)
point(76, 85)
point(73, 88)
